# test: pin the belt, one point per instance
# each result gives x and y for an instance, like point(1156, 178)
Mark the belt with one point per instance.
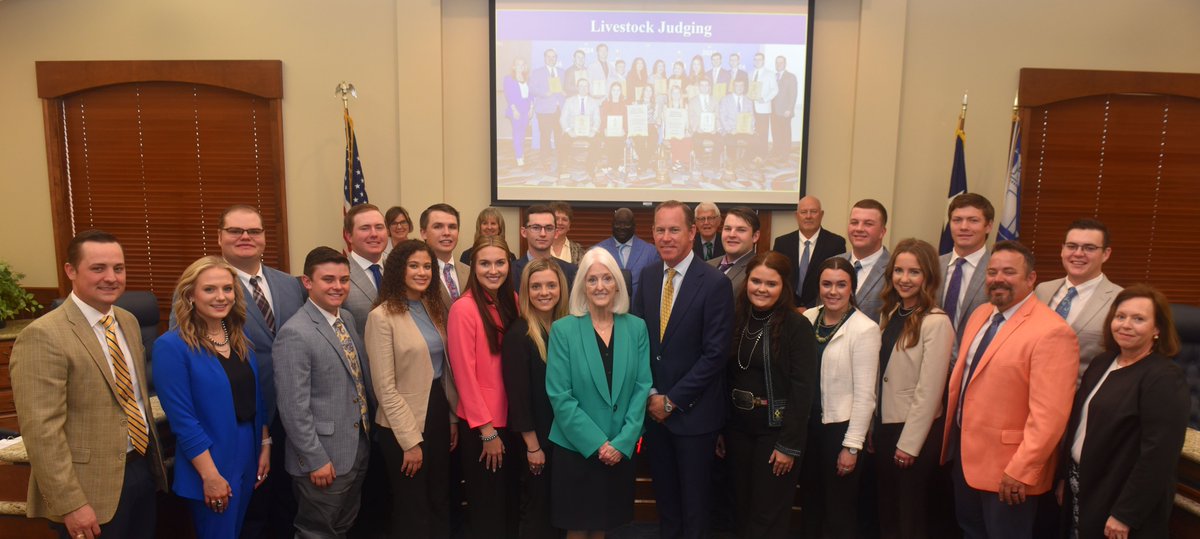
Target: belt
point(745, 400)
point(133, 456)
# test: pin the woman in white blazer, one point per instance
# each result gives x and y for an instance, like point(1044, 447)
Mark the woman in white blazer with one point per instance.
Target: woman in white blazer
point(848, 354)
point(915, 361)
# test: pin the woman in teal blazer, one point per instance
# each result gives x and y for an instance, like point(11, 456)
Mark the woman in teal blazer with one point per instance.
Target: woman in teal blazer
point(598, 379)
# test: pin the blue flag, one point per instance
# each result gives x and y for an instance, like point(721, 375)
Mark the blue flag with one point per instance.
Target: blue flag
point(958, 186)
point(1010, 221)
point(354, 185)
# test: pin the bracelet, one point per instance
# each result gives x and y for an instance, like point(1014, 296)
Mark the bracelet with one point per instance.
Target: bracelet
point(533, 451)
point(495, 434)
point(267, 441)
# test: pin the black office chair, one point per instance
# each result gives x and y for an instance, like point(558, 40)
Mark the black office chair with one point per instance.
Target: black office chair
point(1187, 324)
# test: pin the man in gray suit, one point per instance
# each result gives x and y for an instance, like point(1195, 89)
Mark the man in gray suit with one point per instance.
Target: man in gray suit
point(324, 386)
point(739, 235)
point(1085, 295)
point(964, 269)
point(868, 224)
point(364, 230)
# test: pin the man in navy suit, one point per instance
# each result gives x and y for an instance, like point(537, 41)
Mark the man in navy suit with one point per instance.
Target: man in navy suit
point(631, 252)
point(807, 248)
point(689, 313)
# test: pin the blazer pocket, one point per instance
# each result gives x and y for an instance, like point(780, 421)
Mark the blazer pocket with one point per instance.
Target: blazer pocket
point(81, 455)
point(324, 428)
point(1012, 437)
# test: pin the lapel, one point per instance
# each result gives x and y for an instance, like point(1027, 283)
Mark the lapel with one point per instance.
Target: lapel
point(623, 348)
point(326, 331)
point(133, 333)
point(591, 350)
point(87, 337)
point(943, 266)
point(252, 313)
point(1100, 297)
point(977, 278)
point(360, 280)
point(876, 273)
point(653, 305)
point(1020, 317)
point(683, 301)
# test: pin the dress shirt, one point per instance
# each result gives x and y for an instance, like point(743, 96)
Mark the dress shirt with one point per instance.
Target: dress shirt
point(1008, 314)
point(813, 239)
point(680, 269)
point(1081, 430)
point(93, 317)
point(623, 252)
point(262, 283)
point(968, 271)
point(867, 264)
point(331, 318)
point(1083, 292)
point(453, 275)
point(366, 265)
point(725, 260)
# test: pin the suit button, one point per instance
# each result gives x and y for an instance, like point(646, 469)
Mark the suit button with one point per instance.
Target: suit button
point(614, 407)
point(355, 400)
point(356, 425)
point(885, 379)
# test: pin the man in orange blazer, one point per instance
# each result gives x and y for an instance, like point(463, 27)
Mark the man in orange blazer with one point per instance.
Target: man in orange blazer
point(1009, 400)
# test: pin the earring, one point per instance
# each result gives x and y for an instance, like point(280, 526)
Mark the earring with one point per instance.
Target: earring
point(1156, 336)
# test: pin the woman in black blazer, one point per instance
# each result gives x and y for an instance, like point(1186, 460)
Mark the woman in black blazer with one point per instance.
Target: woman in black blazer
point(773, 379)
point(543, 299)
point(1127, 426)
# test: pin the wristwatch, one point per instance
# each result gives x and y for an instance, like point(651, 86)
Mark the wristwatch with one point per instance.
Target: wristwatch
point(667, 406)
point(852, 451)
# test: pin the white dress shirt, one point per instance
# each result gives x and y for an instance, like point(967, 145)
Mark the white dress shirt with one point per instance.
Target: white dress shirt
point(867, 264)
point(1083, 292)
point(680, 269)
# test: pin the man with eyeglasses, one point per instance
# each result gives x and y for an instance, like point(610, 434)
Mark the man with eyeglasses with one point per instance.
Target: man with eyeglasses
point(807, 248)
point(1084, 296)
point(272, 297)
point(707, 244)
point(538, 232)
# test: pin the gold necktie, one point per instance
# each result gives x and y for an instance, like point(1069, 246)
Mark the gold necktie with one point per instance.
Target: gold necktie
point(124, 381)
point(668, 296)
point(355, 369)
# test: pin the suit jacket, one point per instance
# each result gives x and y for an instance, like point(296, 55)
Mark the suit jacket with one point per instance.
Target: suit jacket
point(361, 298)
point(70, 420)
point(195, 394)
point(587, 411)
point(695, 109)
point(975, 295)
point(1017, 403)
point(1136, 426)
point(318, 403)
point(827, 245)
point(871, 286)
point(915, 381)
point(570, 110)
point(571, 74)
point(545, 102)
point(768, 89)
point(401, 374)
point(785, 100)
point(641, 254)
point(736, 273)
point(849, 372)
point(730, 111)
point(718, 246)
point(688, 361)
point(463, 271)
point(512, 98)
point(1089, 323)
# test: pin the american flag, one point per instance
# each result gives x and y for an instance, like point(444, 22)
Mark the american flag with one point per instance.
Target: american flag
point(354, 185)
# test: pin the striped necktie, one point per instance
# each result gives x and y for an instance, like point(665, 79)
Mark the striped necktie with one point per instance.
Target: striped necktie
point(136, 423)
point(668, 297)
point(264, 307)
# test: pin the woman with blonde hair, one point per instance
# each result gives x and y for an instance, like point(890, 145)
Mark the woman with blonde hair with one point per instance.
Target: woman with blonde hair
point(490, 222)
point(542, 300)
point(208, 383)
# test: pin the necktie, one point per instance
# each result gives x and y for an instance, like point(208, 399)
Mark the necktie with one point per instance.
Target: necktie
point(708, 250)
point(553, 73)
point(376, 274)
point(623, 250)
point(581, 98)
point(1064, 306)
point(952, 291)
point(668, 297)
point(604, 66)
point(355, 369)
point(448, 276)
point(756, 71)
point(804, 260)
point(724, 265)
point(739, 102)
point(858, 267)
point(264, 306)
point(779, 76)
point(983, 344)
point(136, 421)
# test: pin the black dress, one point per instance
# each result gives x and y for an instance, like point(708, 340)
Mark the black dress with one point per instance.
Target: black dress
point(524, 372)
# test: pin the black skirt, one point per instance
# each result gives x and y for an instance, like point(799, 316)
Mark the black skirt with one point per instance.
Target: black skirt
point(587, 494)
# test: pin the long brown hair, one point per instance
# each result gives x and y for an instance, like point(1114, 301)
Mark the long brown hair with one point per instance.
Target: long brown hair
point(393, 290)
point(742, 308)
point(927, 259)
point(506, 305)
point(539, 323)
point(192, 328)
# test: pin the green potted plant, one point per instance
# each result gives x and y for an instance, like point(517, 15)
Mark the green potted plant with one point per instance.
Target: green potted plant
point(14, 300)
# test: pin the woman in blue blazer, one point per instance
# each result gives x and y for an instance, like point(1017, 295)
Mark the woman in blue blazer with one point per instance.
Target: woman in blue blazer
point(207, 381)
point(598, 379)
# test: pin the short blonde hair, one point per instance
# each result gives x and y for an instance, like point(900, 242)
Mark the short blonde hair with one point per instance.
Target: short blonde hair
point(579, 301)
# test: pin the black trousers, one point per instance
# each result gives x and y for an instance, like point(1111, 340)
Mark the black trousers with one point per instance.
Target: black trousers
point(421, 503)
point(904, 493)
point(535, 492)
point(137, 509)
point(763, 499)
point(493, 498)
point(272, 507)
point(830, 506)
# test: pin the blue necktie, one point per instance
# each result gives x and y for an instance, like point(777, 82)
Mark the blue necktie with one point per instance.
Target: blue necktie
point(624, 252)
point(1064, 306)
point(724, 266)
point(804, 260)
point(377, 274)
point(952, 290)
point(858, 267)
point(983, 344)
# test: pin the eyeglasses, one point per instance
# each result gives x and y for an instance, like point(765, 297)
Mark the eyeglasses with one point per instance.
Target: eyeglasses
point(809, 212)
point(538, 229)
point(708, 219)
point(1087, 248)
point(400, 224)
point(237, 232)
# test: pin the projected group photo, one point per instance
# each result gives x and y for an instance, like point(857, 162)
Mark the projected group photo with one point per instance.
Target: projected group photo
point(648, 102)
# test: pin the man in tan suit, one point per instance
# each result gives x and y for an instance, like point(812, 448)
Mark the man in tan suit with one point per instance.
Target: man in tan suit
point(79, 381)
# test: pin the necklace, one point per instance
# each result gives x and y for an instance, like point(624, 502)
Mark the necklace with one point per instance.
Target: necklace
point(902, 312)
point(763, 319)
point(834, 328)
point(747, 335)
point(220, 344)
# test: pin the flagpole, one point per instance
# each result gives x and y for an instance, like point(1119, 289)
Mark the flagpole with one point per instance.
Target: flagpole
point(962, 114)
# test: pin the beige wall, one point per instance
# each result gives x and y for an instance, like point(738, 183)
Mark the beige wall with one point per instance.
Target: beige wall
point(888, 75)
